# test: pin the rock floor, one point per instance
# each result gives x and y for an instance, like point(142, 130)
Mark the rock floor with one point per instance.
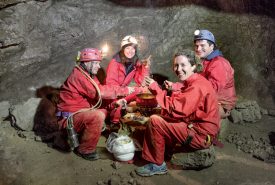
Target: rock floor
point(24, 161)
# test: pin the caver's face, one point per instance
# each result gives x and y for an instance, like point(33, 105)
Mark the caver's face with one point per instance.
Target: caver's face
point(129, 52)
point(93, 66)
point(183, 68)
point(202, 48)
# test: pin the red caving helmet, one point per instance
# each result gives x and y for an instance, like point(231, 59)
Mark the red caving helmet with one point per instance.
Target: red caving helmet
point(90, 54)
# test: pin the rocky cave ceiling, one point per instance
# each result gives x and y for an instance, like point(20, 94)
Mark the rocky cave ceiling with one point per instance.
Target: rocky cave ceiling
point(39, 39)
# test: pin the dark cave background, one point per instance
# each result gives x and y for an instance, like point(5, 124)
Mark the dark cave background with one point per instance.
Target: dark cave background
point(40, 39)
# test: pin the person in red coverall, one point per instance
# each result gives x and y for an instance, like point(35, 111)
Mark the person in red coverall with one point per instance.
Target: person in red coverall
point(189, 116)
point(80, 100)
point(125, 66)
point(217, 70)
point(125, 69)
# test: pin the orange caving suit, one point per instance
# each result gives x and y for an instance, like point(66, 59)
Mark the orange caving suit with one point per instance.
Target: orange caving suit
point(77, 93)
point(195, 103)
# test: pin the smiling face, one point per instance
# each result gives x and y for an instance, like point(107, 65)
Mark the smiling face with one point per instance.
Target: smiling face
point(93, 66)
point(183, 68)
point(129, 52)
point(203, 48)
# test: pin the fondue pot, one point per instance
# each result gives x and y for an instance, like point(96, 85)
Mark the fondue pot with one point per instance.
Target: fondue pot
point(146, 102)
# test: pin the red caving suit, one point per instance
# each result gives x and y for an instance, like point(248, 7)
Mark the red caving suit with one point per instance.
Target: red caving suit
point(219, 72)
point(77, 93)
point(195, 103)
point(116, 73)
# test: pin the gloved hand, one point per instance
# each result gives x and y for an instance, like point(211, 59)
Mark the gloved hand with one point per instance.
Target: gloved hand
point(167, 84)
point(148, 81)
point(121, 102)
point(131, 90)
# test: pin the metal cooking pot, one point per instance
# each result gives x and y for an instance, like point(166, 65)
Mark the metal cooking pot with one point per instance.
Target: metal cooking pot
point(146, 100)
point(146, 96)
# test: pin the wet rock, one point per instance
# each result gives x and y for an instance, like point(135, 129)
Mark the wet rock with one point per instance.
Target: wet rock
point(256, 110)
point(124, 180)
point(259, 148)
point(4, 109)
point(264, 111)
point(38, 139)
point(139, 182)
point(247, 115)
point(133, 174)
point(100, 183)
point(115, 173)
point(271, 112)
point(224, 127)
point(195, 160)
point(242, 105)
point(261, 155)
point(247, 111)
point(236, 116)
point(24, 113)
point(114, 180)
point(3, 4)
point(131, 181)
point(116, 165)
point(121, 179)
point(270, 159)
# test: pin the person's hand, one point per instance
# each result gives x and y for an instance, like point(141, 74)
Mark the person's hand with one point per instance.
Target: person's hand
point(121, 102)
point(147, 61)
point(168, 84)
point(148, 81)
point(131, 90)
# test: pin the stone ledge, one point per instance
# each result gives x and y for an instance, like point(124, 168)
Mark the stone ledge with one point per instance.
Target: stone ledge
point(196, 160)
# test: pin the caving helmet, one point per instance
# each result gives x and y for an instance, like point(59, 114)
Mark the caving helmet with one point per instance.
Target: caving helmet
point(89, 54)
point(204, 35)
point(128, 40)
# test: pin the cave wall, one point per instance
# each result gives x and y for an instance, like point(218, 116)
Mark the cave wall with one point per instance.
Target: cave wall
point(40, 39)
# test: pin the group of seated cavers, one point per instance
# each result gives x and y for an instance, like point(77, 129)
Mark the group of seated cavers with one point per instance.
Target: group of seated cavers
point(190, 113)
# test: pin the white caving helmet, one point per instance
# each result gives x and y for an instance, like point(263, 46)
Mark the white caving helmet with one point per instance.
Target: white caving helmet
point(128, 40)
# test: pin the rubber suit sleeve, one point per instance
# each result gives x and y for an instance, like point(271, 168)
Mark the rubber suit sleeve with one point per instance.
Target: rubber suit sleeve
point(113, 91)
point(112, 74)
point(180, 104)
point(217, 75)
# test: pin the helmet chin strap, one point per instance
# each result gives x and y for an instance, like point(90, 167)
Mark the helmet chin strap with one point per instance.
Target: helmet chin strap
point(85, 68)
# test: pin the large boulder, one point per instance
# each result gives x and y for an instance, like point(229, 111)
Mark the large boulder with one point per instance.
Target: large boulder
point(24, 113)
point(197, 160)
point(4, 109)
point(246, 111)
point(224, 128)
